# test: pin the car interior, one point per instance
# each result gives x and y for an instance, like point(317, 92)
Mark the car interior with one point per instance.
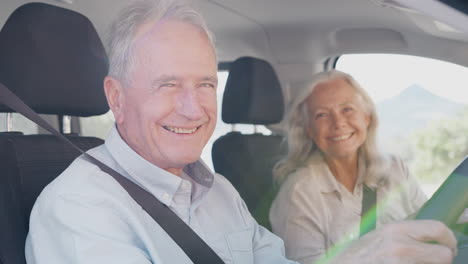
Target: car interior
point(53, 58)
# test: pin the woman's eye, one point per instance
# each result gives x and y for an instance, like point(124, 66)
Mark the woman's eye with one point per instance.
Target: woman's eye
point(348, 109)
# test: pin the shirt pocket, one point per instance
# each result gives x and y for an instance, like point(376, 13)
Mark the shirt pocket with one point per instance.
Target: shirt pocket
point(240, 245)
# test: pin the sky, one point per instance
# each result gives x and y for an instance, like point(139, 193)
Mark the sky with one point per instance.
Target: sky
point(386, 75)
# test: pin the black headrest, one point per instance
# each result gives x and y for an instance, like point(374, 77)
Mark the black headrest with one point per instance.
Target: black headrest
point(253, 93)
point(52, 58)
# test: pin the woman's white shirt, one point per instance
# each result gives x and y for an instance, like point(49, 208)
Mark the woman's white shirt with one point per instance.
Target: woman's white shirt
point(314, 212)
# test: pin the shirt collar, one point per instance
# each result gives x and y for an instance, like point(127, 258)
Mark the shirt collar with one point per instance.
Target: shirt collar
point(160, 183)
point(328, 181)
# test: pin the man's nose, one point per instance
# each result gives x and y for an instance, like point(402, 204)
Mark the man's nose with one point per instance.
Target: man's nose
point(189, 104)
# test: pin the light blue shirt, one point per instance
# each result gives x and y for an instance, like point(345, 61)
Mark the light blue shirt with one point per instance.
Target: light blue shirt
point(85, 216)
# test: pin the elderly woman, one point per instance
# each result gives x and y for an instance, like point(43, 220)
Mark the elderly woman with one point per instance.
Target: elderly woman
point(332, 161)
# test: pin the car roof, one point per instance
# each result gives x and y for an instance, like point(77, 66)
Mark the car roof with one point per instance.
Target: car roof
point(298, 36)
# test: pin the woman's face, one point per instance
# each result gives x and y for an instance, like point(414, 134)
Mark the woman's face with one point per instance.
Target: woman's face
point(338, 123)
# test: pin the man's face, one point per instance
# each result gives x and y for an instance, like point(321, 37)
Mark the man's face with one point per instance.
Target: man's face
point(168, 111)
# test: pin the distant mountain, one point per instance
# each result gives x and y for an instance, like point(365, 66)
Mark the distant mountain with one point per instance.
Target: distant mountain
point(412, 109)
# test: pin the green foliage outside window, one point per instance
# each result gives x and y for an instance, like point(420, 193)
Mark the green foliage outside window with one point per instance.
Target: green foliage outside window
point(440, 147)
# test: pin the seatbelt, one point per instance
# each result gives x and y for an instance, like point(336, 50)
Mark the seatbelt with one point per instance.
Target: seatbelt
point(193, 246)
point(368, 211)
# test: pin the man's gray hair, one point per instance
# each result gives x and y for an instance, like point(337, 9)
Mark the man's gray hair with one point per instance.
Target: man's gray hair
point(121, 36)
point(301, 148)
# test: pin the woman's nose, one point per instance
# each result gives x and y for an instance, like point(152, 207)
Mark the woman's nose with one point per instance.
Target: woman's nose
point(338, 120)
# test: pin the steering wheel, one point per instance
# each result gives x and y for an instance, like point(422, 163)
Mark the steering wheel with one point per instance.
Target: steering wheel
point(448, 204)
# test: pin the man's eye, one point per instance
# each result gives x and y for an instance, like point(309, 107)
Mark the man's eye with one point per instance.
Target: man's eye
point(163, 86)
point(320, 115)
point(167, 85)
point(208, 85)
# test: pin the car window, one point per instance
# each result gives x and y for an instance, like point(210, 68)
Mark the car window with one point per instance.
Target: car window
point(17, 123)
point(22, 124)
point(422, 106)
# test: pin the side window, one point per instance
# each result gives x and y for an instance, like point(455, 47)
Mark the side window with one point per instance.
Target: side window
point(99, 126)
point(96, 126)
point(422, 106)
point(24, 125)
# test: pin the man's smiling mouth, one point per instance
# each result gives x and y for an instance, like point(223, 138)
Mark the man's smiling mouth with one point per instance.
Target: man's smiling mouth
point(179, 130)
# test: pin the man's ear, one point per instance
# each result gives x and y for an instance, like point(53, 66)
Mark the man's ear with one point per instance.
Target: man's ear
point(115, 97)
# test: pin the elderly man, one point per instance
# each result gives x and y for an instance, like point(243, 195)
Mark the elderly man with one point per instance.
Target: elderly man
point(162, 91)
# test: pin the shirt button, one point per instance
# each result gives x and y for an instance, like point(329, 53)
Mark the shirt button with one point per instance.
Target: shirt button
point(166, 196)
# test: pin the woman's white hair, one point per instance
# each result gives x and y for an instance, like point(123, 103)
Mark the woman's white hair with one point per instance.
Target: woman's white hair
point(121, 35)
point(301, 148)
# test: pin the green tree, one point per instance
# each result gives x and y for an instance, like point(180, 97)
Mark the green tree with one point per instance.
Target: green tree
point(440, 147)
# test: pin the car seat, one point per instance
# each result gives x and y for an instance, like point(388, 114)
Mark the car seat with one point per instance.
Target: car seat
point(52, 58)
point(252, 95)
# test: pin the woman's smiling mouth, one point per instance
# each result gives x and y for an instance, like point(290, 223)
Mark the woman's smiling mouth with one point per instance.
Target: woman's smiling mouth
point(342, 137)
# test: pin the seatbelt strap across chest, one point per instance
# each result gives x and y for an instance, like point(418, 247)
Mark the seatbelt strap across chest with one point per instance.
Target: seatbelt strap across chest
point(368, 211)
